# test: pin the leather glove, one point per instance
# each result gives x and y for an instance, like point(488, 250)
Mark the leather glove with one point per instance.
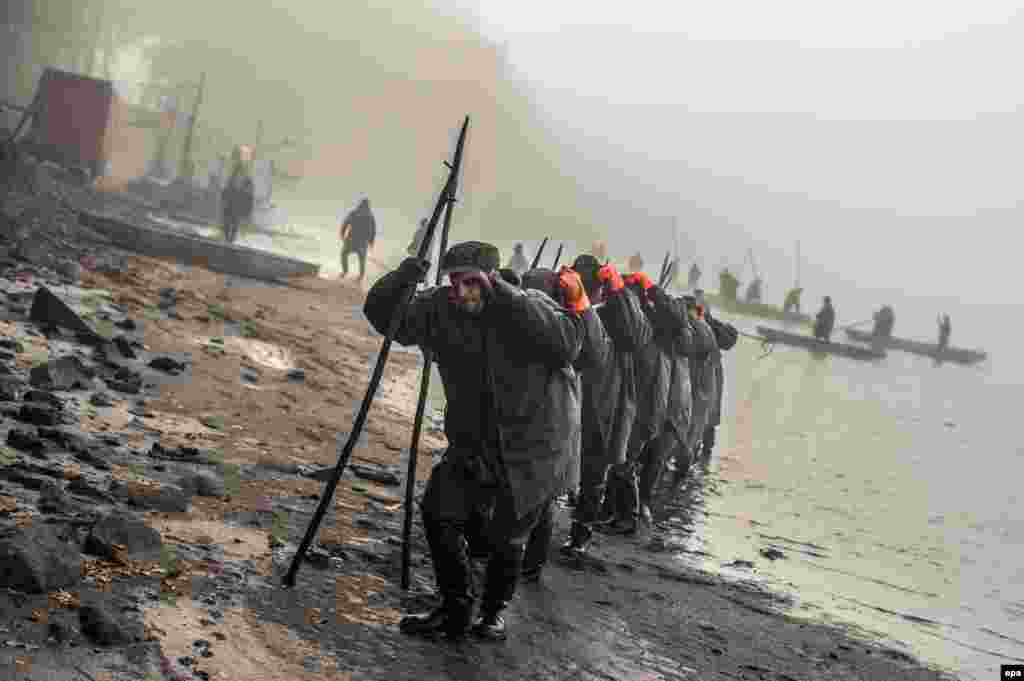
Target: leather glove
point(610, 277)
point(640, 279)
point(413, 270)
point(573, 293)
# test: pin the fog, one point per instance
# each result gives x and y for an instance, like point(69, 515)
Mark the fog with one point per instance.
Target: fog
point(883, 137)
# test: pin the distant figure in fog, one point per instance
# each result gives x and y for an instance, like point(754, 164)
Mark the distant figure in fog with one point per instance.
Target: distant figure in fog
point(792, 301)
point(885, 319)
point(944, 330)
point(237, 199)
point(694, 276)
point(518, 263)
point(825, 321)
point(358, 233)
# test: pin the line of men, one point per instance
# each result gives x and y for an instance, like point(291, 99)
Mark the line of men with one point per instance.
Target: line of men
point(580, 381)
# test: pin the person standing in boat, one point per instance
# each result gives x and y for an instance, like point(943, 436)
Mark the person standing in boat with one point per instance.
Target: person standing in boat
point(792, 301)
point(518, 262)
point(694, 276)
point(728, 285)
point(884, 321)
point(754, 290)
point(944, 330)
point(825, 321)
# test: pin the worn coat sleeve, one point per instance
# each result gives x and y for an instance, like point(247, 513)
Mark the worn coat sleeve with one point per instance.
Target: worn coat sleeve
point(596, 349)
point(669, 316)
point(725, 333)
point(703, 339)
point(546, 331)
point(626, 322)
point(384, 300)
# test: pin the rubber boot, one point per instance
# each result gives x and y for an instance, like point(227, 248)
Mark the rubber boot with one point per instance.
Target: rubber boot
point(580, 537)
point(540, 543)
point(629, 510)
point(503, 572)
point(449, 552)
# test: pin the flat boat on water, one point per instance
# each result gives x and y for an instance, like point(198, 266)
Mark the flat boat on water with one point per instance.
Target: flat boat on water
point(761, 310)
point(815, 345)
point(958, 355)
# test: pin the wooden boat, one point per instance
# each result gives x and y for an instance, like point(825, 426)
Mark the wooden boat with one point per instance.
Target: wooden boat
point(217, 256)
point(958, 355)
point(761, 310)
point(815, 345)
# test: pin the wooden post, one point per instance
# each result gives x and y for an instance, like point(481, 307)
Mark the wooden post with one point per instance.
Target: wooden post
point(187, 167)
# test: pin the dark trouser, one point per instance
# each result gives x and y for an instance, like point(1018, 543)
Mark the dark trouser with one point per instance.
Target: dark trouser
point(655, 455)
point(452, 500)
point(594, 469)
point(623, 483)
point(347, 249)
point(231, 224)
point(708, 441)
point(537, 548)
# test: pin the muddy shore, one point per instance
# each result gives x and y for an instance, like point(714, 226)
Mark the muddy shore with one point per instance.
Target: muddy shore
point(155, 483)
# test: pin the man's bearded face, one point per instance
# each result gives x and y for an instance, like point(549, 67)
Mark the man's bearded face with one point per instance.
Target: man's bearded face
point(468, 291)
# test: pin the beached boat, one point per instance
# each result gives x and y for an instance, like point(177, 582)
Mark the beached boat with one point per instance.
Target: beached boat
point(815, 345)
point(958, 355)
point(760, 310)
point(218, 256)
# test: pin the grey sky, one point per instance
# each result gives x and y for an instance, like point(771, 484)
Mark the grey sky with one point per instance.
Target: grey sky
point(843, 124)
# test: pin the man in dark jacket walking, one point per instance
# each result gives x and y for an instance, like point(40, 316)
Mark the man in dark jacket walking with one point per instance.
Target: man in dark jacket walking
point(358, 233)
point(513, 411)
point(825, 321)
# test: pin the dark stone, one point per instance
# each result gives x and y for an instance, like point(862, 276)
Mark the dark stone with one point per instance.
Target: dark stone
point(126, 324)
point(8, 392)
point(375, 474)
point(83, 487)
point(101, 399)
point(52, 498)
point(297, 375)
point(44, 397)
point(167, 499)
point(6, 356)
point(66, 373)
point(772, 553)
point(143, 542)
point(168, 365)
point(26, 441)
point(203, 484)
point(12, 345)
point(38, 414)
point(124, 386)
point(105, 627)
point(36, 559)
point(124, 346)
point(48, 309)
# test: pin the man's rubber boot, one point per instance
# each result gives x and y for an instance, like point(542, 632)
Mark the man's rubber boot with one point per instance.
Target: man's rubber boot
point(449, 552)
point(452, 619)
point(502, 578)
point(536, 556)
point(579, 540)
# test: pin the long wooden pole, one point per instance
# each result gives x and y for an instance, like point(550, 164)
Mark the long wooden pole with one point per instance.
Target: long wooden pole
point(378, 371)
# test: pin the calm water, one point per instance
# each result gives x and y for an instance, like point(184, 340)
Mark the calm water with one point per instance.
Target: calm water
point(892, 488)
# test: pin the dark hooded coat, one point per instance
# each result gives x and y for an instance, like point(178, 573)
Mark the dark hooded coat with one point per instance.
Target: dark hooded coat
point(725, 339)
point(523, 345)
point(702, 375)
point(654, 364)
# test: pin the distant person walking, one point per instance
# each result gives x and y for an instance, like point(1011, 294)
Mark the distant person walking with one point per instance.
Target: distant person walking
point(358, 233)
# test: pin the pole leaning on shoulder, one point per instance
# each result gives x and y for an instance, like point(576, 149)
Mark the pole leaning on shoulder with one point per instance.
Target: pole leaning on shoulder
point(396, 319)
point(540, 252)
point(428, 361)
